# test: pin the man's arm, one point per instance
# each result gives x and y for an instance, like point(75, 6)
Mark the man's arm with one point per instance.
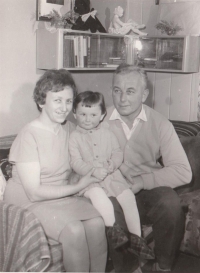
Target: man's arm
point(176, 170)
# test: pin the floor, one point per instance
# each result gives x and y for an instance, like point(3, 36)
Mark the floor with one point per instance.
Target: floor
point(184, 264)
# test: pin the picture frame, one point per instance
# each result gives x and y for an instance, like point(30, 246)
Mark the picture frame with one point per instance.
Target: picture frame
point(44, 7)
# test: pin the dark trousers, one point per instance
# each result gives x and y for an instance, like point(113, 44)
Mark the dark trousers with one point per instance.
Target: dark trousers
point(160, 207)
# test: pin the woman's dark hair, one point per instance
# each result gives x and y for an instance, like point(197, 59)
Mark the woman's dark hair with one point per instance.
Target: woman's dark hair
point(88, 99)
point(54, 81)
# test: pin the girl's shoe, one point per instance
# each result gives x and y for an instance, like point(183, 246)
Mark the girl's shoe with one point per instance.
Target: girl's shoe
point(139, 247)
point(117, 236)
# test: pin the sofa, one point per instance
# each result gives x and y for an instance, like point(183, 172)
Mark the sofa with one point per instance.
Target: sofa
point(189, 134)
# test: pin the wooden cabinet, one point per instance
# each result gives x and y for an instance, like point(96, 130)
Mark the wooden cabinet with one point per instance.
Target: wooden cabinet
point(76, 50)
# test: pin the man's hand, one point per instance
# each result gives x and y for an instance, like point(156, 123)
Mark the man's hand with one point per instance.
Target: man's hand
point(100, 173)
point(130, 175)
point(136, 187)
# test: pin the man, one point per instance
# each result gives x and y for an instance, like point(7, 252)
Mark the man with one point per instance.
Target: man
point(145, 136)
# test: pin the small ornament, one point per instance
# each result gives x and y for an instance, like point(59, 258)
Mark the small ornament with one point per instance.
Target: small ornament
point(119, 27)
point(62, 21)
point(168, 28)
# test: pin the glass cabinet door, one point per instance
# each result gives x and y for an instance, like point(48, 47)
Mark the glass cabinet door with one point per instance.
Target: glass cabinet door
point(160, 53)
point(93, 50)
point(178, 54)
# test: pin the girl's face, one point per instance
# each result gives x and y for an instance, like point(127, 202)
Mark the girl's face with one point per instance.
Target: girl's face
point(88, 117)
point(58, 105)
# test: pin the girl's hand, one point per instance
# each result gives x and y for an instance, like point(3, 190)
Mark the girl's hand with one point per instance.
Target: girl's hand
point(87, 179)
point(100, 173)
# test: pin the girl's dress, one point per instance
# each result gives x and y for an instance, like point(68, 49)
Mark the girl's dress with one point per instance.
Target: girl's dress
point(34, 144)
point(95, 148)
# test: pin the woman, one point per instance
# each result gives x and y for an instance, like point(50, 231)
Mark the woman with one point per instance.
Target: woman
point(42, 179)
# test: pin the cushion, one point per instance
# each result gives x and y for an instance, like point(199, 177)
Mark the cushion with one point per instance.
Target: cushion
point(5, 165)
point(191, 241)
point(186, 128)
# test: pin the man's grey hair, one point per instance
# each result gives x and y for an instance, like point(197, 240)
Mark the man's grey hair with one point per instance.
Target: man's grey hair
point(124, 69)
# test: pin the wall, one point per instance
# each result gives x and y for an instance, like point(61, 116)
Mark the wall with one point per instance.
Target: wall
point(17, 60)
point(18, 72)
point(172, 94)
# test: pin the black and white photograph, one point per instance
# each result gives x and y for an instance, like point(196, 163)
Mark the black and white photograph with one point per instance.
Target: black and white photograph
point(100, 136)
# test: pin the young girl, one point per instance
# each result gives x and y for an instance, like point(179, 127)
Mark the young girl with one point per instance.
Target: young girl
point(93, 146)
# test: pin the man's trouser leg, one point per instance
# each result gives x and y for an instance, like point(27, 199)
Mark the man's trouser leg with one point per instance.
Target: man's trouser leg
point(161, 207)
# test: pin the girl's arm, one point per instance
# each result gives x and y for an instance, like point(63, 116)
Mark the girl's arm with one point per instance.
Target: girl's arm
point(76, 160)
point(29, 174)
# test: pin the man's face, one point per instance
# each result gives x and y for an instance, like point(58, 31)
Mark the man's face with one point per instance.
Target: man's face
point(128, 94)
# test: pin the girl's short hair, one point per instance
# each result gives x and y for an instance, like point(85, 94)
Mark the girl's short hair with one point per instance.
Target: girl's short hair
point(88, 99)
point(54, 81)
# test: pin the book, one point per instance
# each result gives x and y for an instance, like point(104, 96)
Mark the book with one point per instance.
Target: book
point(68, 51)
point(85, 53)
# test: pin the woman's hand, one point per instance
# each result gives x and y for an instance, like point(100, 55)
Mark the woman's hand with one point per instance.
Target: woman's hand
point(87, 179)
point(73, 178)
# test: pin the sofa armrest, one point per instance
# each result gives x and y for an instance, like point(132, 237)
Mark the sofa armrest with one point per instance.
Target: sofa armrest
point(191, 146)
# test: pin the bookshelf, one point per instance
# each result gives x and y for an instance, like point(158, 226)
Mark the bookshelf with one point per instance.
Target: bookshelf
point(81, 50)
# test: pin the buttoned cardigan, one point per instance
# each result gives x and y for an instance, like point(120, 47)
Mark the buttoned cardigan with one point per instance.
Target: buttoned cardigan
point(152, 139)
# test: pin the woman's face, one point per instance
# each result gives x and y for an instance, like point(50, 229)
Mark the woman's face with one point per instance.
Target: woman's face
point(58, 105)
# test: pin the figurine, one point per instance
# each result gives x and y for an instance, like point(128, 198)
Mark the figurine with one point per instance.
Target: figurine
point(119, 27)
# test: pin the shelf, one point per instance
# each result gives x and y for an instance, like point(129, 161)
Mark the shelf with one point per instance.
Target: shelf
point(82, 50)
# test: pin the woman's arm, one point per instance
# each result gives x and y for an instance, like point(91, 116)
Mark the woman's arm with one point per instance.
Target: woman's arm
point(29, 174)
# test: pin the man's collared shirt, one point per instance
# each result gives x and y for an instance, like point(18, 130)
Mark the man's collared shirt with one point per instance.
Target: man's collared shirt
point(128, 132)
